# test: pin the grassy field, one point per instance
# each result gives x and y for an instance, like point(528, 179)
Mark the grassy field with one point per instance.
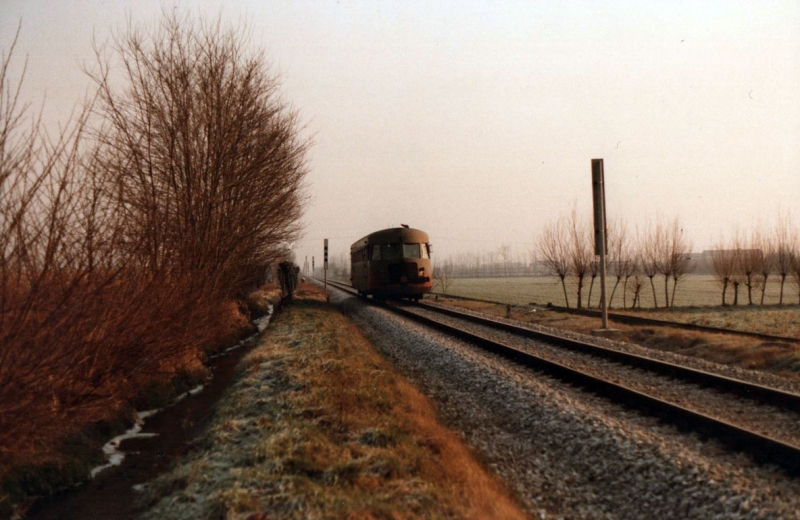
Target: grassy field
point(693, 291)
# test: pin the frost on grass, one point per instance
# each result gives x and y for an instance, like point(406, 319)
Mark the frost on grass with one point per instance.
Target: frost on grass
point(319, 426)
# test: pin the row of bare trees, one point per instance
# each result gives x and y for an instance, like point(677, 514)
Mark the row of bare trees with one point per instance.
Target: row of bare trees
point(565, 247)
point(127, 239)
point(660, 252)
point(752, 259)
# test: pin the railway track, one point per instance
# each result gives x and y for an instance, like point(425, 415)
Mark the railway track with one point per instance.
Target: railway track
point(751, 418)
point(642, 321)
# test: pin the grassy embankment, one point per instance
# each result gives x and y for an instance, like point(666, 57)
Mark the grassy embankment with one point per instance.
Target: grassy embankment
point(319, 425)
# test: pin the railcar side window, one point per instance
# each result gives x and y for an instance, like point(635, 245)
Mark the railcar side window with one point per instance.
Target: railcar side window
point(411, 251)
point(424, 251)
point(376, 252)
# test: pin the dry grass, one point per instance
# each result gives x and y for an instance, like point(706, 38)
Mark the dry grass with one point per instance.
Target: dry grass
point(781, 358)
point(320, 426)
point(80, 368)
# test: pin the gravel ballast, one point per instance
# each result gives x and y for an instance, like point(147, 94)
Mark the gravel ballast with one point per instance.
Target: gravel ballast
point(567, 453)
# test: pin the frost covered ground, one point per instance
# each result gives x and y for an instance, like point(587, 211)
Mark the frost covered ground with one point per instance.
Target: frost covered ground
point(318, 425)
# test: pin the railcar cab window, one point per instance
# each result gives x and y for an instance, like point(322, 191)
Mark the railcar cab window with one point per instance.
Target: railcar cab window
point(398, 251)
point(411, 251)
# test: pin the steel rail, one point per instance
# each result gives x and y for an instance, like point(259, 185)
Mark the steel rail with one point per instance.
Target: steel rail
point(639, 320)
point(762, 448)
point(760, 393)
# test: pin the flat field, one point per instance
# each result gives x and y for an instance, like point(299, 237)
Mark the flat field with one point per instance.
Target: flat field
point(692, 291)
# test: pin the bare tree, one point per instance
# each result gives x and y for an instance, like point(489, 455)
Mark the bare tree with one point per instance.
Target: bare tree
point(785, 240)
point(620, 259)
point(553, 249)
point(724, 262)
point(679, 255)
point(443, 275)
point(200, 150)
point(636, 282)
point(649, 259)
point(581, 251)
point(767, 265)
point(752, 263)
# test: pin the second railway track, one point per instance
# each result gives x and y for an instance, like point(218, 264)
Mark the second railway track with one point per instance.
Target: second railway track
point(751, 418)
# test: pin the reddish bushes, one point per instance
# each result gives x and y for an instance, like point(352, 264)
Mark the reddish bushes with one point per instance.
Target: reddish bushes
point(126, 242)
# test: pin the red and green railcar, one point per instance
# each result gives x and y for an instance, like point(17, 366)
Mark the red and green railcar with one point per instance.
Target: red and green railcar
point(392, 263)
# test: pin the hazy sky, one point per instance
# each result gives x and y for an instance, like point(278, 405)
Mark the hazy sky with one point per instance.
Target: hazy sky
point(477, 121)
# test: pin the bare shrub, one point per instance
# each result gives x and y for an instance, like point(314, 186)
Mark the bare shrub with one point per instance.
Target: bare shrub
point(123, 249)
point(553, 248)
point(199, 150)
point(443, 277)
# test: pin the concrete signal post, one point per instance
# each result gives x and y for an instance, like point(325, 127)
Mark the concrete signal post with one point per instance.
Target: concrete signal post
point(325, 268)
point(601, 242)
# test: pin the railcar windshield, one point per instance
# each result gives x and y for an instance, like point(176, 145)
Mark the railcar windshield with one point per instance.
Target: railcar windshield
point(411, 251)
point(398, 251)
point(387, 252)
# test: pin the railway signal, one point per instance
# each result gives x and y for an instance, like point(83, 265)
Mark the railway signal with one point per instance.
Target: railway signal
point(325, 266)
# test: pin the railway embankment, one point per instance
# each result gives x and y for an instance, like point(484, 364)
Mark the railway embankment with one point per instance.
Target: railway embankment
point(319, 425)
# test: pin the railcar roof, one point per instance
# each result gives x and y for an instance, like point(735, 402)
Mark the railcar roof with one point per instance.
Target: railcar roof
point(400, 234)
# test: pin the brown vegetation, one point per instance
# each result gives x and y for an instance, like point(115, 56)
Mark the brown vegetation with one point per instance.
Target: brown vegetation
point(128, 241)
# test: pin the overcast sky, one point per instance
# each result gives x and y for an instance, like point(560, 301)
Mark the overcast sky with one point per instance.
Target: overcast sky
point(476, 121)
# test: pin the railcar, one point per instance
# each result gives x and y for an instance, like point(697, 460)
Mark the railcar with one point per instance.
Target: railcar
point(392, 263)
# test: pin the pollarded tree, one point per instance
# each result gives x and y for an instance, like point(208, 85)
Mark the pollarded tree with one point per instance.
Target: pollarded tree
point(767, 264)
point(752, 263)
point(620, 259)
point(724, 263)
point(785, 242)
point(649, 259)
point(581, 252)
point(679, 255)
point(553, 249)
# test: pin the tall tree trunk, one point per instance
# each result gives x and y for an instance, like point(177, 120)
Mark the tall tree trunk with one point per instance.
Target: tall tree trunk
point(674, 286)
point(613, 291)
point(653, 286)
point(564, 286)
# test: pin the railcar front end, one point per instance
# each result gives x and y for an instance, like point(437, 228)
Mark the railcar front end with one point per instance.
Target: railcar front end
point(394, 262)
